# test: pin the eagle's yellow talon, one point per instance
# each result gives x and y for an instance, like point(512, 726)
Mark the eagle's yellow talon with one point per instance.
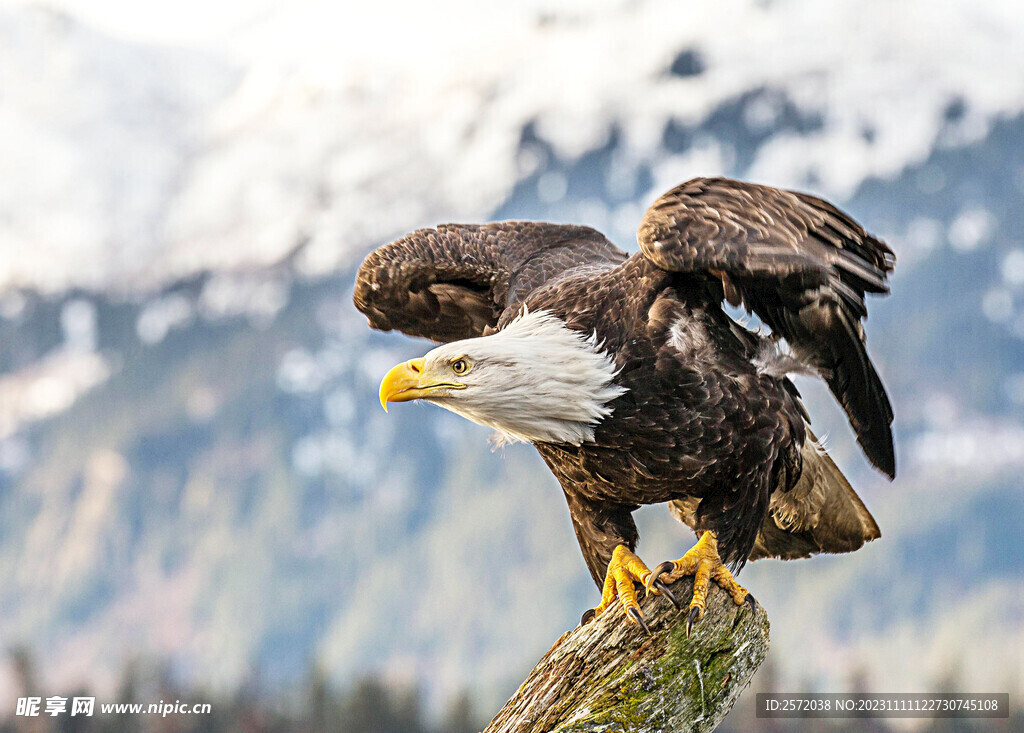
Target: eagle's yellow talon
point(704, 564)
point(624, 571)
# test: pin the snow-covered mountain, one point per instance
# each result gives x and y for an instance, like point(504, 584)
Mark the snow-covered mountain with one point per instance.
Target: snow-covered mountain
point(192, 466)
point(333, 125)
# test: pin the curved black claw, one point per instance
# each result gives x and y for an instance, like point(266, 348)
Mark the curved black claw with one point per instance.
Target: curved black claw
point(589, 615)
point(663, 589)
point(666, 567)
point(693, 618)
point(639, 618)
point(751, 601)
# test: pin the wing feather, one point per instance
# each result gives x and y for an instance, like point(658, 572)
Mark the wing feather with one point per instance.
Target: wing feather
point(802, 265)
point(455, 281)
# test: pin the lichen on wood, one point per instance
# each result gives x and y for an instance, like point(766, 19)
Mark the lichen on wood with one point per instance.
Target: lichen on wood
point(609, 676)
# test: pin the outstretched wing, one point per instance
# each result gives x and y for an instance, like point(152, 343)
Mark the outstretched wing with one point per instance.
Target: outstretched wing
point(801, 265)
point(453, 282)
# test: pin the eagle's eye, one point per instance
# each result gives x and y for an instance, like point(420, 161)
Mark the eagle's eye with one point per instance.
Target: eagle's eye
point(460, 366)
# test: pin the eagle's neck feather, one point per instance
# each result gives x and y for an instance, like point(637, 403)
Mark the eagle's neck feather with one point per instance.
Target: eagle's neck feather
point(551, 384)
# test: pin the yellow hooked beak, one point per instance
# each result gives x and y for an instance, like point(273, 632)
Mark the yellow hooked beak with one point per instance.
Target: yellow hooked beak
point(408, 381)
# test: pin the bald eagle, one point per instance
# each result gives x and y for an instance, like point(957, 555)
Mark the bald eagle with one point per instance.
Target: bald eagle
point(637, 387)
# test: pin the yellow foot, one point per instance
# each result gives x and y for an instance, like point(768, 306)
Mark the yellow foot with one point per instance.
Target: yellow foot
point(704, 564)
point(624, 571)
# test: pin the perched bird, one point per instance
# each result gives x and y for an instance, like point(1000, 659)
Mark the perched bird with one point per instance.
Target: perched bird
point(635, 385)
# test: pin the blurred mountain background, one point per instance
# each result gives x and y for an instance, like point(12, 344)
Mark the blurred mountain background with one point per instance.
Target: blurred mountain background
point(194, 469)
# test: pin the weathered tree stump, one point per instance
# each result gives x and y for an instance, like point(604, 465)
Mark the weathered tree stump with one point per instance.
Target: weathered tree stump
point(609, 676)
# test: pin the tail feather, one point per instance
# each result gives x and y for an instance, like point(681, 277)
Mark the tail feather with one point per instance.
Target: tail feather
point(821, 513)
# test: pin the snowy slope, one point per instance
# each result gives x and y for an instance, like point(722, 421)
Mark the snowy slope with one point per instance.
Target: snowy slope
point(253, 129)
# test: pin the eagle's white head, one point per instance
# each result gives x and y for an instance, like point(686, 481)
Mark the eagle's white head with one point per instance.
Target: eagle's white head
point(536, 380)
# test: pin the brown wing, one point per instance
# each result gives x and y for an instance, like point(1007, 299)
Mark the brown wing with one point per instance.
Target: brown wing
point(453, 282)
point(798, 262)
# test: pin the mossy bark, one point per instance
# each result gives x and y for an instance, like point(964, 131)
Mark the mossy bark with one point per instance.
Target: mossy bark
point(609, 676)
